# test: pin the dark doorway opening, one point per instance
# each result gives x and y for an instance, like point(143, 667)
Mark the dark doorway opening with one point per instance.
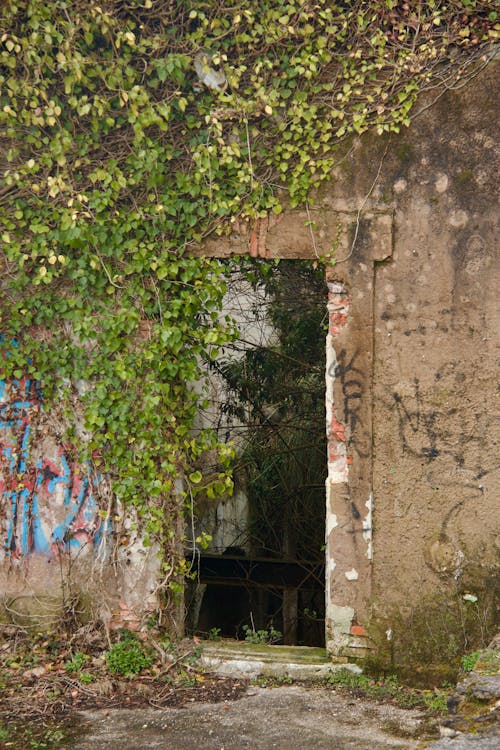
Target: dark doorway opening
point(263, 577)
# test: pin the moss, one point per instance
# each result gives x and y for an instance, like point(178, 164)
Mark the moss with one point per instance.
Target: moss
point(430, 675)
point(463, 177)
point(398, 730)
point(488, 662)
point(405, 153)
point(412, 674)
point(267, 652)
point(431, 636)
point(440, 396)
point(46, 613)
point(474, 707)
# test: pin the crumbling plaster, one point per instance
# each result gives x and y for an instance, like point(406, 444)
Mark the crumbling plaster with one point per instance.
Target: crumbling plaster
point(63, 552)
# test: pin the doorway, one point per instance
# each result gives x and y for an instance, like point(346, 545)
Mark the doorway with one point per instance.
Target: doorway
point(262, 576)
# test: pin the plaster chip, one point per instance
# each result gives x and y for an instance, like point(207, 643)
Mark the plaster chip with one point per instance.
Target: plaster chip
point(352, 575)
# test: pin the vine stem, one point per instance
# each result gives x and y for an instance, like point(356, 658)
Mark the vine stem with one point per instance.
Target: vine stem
point(363, 204)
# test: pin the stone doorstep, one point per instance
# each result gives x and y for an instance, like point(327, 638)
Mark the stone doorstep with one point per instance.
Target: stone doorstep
point(237, 659)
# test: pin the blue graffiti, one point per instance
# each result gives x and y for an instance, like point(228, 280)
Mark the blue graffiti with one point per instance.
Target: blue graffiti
point(29, 488)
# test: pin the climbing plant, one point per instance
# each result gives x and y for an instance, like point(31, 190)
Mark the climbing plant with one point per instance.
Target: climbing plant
point(130, 130)
point(276, 390)
point(273, 401)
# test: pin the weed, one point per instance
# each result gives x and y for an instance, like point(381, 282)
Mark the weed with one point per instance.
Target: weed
point(128, 656)
point(86, 678)
point(193, 657)
point(214, 634)
point(389, 689)
point(185, 679)
point(436, 701)
point(347, 678)
point(468, 661)
point(488, 662)
point(77, 662)
point(270, 635)
point(31, 737)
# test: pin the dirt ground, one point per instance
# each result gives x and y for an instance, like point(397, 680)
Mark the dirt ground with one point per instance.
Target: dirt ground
point(264, 718)
point(58, 693)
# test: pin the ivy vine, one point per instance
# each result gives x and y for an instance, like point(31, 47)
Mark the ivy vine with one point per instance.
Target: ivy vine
point(130, 130)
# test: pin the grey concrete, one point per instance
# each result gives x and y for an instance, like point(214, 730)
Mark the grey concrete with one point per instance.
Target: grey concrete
point(283, 718)
point(490, 741)
point(481, 687)
point(246, 660)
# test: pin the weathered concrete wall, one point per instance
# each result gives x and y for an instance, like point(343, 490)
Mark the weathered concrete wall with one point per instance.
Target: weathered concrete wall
point(413, 481)
point(413, 485)
point(416, 365)
point(436, 475)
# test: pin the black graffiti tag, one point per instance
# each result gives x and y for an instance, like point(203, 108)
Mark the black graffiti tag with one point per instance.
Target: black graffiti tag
point(351, 379)
point(416, 421)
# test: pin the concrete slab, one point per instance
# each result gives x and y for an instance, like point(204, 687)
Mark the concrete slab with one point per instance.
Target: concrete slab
point(240, 659)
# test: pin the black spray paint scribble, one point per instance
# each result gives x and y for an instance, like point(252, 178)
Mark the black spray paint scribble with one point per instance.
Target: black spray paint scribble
point(452, 434)
point(352, 384)
point(416, 426)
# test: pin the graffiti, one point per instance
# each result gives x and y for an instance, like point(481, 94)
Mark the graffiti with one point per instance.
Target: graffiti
point(351, 379)
point(49, 503)
point(417, 427)
point(446, 433)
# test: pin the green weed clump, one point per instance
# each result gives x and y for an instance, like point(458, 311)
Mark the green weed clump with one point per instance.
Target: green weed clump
point(390, 689)
point(77, 662)
point(269, 636)
point(468, 661)
point(128, 656)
